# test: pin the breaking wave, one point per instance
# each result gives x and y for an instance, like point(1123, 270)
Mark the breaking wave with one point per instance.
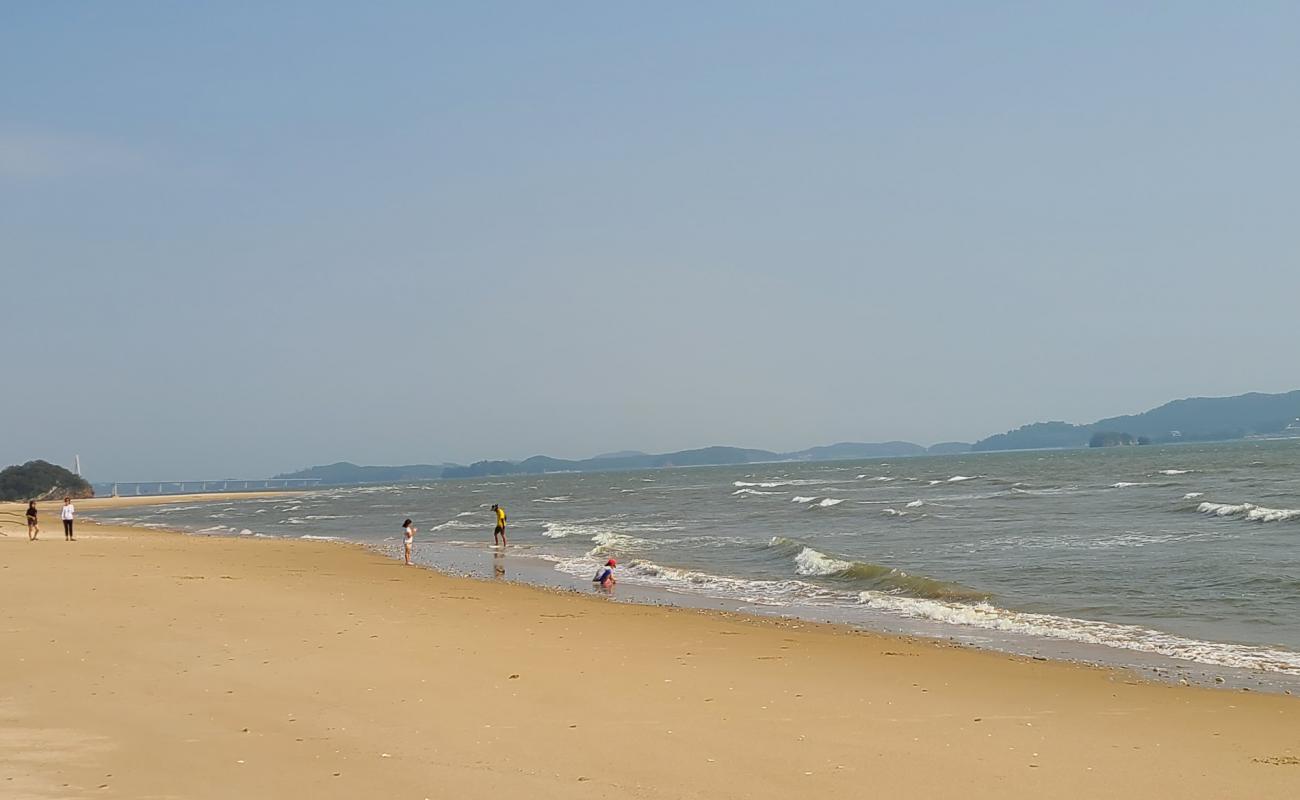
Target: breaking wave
point(1250, 512)
point(811, 563)
point(1128, 637)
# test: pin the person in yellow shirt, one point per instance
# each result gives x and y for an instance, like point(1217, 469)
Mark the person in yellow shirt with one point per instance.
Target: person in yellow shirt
point(500, 531)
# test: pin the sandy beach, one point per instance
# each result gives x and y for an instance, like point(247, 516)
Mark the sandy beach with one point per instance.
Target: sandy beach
point(144, 664)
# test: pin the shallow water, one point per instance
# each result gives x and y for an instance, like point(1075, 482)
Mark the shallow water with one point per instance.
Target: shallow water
point(1187, 553)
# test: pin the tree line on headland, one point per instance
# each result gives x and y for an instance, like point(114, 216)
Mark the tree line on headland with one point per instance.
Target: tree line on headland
point(41, 480)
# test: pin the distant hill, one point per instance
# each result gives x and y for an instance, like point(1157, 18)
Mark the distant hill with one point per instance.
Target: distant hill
point(346, 472)
point(948, 448)
point(707, 456)
point(39, 480)
point(1193, 419)
point(855, 450)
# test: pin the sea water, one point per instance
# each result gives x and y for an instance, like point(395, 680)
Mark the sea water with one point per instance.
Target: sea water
point(1182, 555)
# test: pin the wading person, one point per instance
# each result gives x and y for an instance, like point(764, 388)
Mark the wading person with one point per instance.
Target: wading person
point(500, 531)
point(409, 530)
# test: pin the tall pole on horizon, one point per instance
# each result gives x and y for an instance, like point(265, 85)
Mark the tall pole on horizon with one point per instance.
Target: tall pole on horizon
point(76, 465)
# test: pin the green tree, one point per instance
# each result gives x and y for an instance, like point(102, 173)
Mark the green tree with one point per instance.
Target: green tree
point(37, 480)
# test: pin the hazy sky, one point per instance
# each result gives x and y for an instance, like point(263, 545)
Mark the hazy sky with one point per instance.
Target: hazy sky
point(236, 240)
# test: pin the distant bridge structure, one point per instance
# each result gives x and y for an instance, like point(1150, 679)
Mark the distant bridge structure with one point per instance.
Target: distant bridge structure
point(152, 488)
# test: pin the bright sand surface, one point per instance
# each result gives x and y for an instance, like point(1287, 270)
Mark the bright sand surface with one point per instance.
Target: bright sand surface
point(141, 664)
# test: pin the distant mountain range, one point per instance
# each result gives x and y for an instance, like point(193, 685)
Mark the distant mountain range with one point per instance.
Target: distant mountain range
point(1196, 419)
point(344, 472)
point(1193, 419)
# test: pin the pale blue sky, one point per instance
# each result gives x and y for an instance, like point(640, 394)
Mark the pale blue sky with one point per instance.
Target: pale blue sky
point(237, 240)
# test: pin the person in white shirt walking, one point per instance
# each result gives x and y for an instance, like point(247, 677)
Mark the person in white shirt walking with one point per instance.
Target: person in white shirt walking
point(67, 515)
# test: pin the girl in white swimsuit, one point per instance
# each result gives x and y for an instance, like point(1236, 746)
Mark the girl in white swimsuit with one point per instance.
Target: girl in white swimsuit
point(409, 530)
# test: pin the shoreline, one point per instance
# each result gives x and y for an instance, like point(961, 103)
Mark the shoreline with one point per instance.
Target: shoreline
point(206, 666)
point(455, 558)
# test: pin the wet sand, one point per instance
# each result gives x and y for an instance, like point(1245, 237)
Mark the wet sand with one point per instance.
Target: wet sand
point(147, 664)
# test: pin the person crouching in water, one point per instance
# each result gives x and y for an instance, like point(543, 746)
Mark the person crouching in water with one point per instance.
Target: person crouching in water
point(409, 530)
point(605, 575)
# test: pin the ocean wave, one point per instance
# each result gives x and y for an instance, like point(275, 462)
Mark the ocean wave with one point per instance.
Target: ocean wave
point(611, 543)
point(1129, 637)
point(1249, 511)
point(814, 502)
point(1174, 471)
point(1125, 484)
point(1193, 495)
point(775, 483)
point(559, 499)
point(594, 528)
point(915, 504)
point(321, 538)
point(459, 524)
point(812, 563)
point(563, 530)
point(755, 592)
point(751, 492)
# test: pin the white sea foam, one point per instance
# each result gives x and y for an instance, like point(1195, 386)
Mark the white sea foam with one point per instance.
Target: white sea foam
point(1128, 637)
point(560, 499)
point(962, 478)
point(1123, 485)
point(756, 592)
point(776, 483)
point(610, 542)
point(916, 504)
point(562, 530)
point(321, 538)
point(457, 524)
point(468, 514)
point(1193, 495)
point(893, 512)
point(1249, 511)
point(750, 492)
point(1174, 471)
point(801, 499)
point(812, 563)
point(827, 502)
